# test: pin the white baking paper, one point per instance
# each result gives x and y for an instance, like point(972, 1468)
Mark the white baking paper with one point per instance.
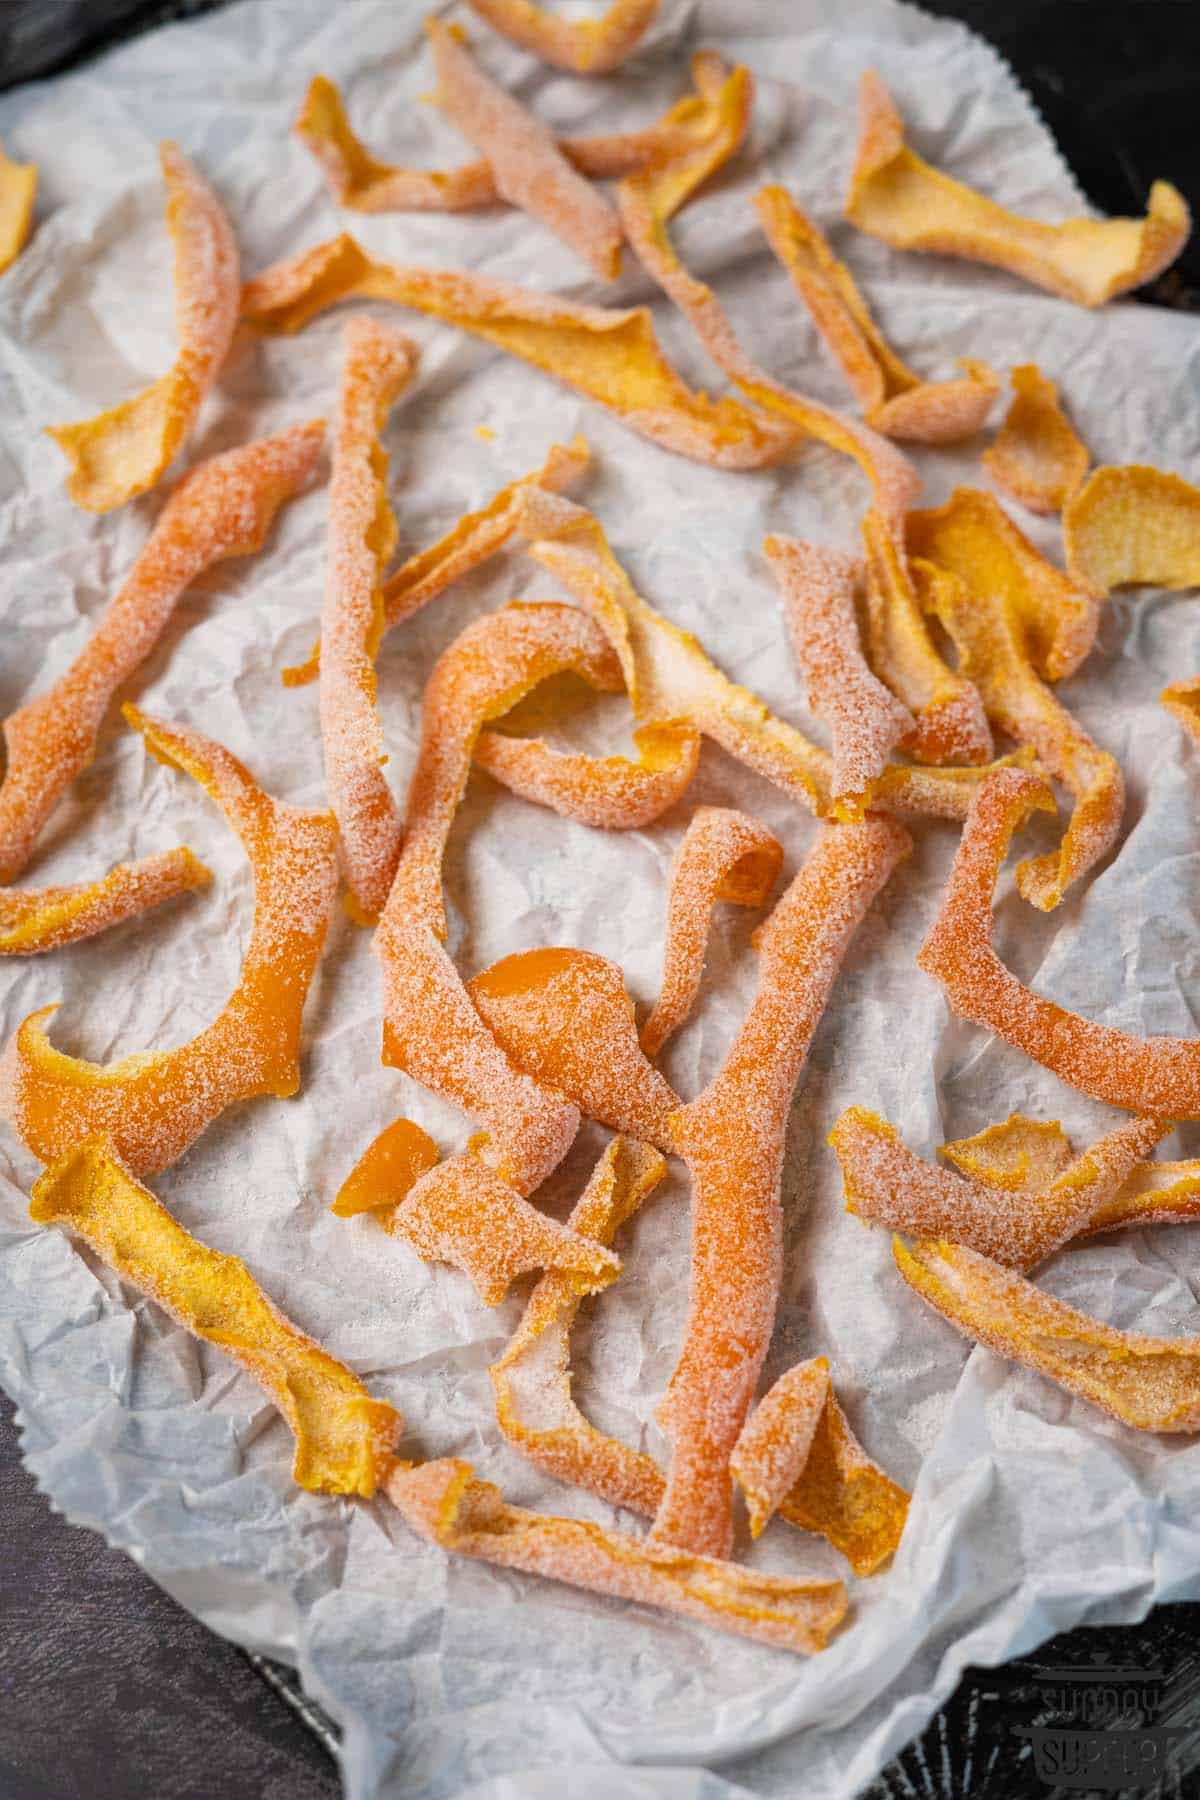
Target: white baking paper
point(1030, 1512)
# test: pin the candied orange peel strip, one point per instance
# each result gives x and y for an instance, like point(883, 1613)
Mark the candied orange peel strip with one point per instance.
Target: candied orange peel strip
point(731, 1138)
point(1036, 456)
point(123, 451)
point(379, 364)
point(893, 399)
point(151, 1107)
point(1151, 1383)
point(723, 855)
point(18, 188)
point(950, 722)
point(344, 1438)
point(1134, 526)
point(1182, 701)
point(390, 1165)
point(992, 652)
point(462, 1212)
point(865, 718)
point(798, 1456)
point(223, 507)
point(888, 1184)
point(612, 793)
point(564, 1017)
point(532, 1379)
point(34, 920)
point(973, 537)
point(530, 170)
point(612, 356)
point(896, 196)
point(1157, 1076)
point(585, 46)
point(445, 1503)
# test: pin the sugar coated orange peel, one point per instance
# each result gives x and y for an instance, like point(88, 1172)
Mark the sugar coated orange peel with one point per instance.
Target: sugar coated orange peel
point(564, 1017)
point(532, 1379)
point(379, 364)
point(611, 356)
point(613, 793)
point(33, 920)
point(896, 196)
point(586, 46)
point(723, 855)
point(123, 451)
point(893, 399)
point(223, 507)
point(470, 542)
point(462, 1212)
point(673, 684)
point(18, 189)
point(151, 1107)
point(1157, 1076)
point(1133, 526)
point(888, 1184)
point(798, 1456)
point(992, 652)
point(1036, 456)
point(819, 588)
point(530, 170)
point(950, 721)
point(344, 1438)
point(731, 1137)
point(391, 1164)
point(1151, 1383)
point(973, 537)
point(1182, 701)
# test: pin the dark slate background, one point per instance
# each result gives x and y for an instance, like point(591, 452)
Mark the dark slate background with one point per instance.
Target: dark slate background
point(108, 1690)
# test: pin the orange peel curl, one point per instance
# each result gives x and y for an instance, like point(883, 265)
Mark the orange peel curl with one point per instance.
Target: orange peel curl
point(344, 1438)
point(611, 356)
point(123, 451)
point(585, 46)
point(613, 793)
point(34, 920)
point(1134, 526)
point(896, 196)
point(379, 364)
point(446, 1504)
point(865, 718)
point(893, 399)
point(732, 1137)
point(151, 1107)
point(1151, 1383)
point(1036, 456)
point(18, 188)
point(224, 507)
point(723, 855)
point(391, 1164)
point(1157, 1076)
point(535, 1408)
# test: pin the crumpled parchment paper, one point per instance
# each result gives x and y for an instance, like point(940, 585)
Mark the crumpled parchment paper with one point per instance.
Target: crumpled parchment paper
point(1031, 1512)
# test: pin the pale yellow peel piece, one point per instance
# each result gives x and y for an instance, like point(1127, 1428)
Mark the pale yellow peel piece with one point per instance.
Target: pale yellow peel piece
point(1150, 1383)
point(611, 356)
point(34, 920)
point(1036, 456)
point(123, 451)
point(1020, 1155)
point(344, 1438)
point(1182, 701)
point(585, 46)
point(611, 793)
point(444, 1502)
point(896, 196)
point(1134, 526)
point(18, 189)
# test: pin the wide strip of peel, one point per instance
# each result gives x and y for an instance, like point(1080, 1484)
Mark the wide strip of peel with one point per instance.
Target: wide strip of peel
point(1036, 456)
point(584, 46)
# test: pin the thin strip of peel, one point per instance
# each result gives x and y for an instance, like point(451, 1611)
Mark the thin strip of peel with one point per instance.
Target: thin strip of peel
point(585, 46)
point(34, 920)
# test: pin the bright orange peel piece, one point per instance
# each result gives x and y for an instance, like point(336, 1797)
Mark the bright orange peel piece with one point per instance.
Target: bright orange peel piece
point(1036, 456)
point(344, 1438)
point(390, 1165)
point(33, 920)
point(379, 364)
point(532, 1379)
point(1151, 1383)
point(613, 357)
point(866, 721)
point(151, 1107)
point(1133, 526)
point(896, 196)
point(223, 507)
point(444, 1503)
point(893, 399)
point(18, 189)
point(1158, 1076)
point(585, 46)
point(1182, 701)
point(732, 1137)
point(123, 451)
point(723, 855)
point(613, 793)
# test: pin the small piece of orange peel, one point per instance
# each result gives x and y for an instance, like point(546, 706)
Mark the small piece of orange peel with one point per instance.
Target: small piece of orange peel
point(584, 46)
point(1036, 456)
point(34, 920)
point(1134, 526)
point(18, 189)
